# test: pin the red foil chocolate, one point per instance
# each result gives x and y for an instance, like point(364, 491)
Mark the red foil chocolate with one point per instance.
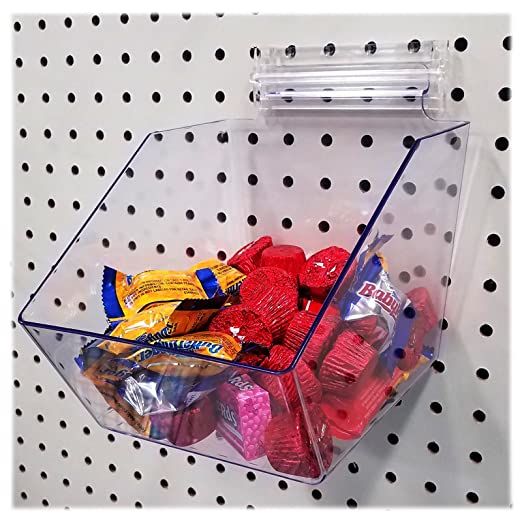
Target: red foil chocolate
point(272, 293)
point(319, 342)
point(314, 307)
point(253, 357)
point(289, 447)
point(193, 424)
point(349, 417)
point(282, 388)
point(243, 324)
point(350, 361)
point(290, 258)
point(247, 258)
point(322, 269)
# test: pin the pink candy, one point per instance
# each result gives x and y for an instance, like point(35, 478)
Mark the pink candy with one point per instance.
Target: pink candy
point(243, 414)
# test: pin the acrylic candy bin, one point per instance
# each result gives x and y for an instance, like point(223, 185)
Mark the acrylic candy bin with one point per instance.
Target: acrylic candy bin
point(313, 170)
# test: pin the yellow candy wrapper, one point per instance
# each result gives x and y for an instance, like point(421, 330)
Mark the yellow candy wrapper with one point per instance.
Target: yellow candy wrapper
point(228, 277)
point(160, 321)
point(213, 344)
point(155, 380)
point(125, 295)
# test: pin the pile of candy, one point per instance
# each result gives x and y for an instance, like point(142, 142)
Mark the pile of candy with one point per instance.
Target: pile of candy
point(258, 312)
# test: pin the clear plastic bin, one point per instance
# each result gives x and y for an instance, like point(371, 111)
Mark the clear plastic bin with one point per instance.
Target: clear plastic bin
point(313, 170)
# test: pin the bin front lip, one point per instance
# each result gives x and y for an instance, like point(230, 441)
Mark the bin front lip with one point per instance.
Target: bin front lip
point(65, 330)
point(389, 190)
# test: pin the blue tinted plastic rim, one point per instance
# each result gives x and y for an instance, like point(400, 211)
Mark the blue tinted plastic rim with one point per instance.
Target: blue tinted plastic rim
point(354, 254)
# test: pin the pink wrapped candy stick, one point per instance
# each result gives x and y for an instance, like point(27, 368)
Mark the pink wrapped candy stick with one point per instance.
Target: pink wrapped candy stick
point(243, 414)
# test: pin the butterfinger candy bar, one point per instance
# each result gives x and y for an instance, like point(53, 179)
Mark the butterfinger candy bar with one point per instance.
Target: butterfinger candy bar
point(158, 322)
point(155, 379)
point(212, 272)
point(124, 295)
point(218, 345)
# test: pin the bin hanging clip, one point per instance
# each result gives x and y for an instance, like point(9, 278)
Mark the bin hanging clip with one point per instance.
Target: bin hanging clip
point(366, 77)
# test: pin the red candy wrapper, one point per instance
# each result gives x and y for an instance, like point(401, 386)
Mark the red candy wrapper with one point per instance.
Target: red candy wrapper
point(370, 329)
point(318, 344)
point(322, 269)
point(347, 365)
point(272, 293)
point(191, 425)
point(247, 258)
point(314, 307)
point(349, 417)
point(253, 357)
point(288, 445)
point(290, 258)
point(242, 323)
point(426, 316)
point(425, 320)
point(282, 388)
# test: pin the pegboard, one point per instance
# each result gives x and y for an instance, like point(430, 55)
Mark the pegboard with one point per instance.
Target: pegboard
point(87, 89)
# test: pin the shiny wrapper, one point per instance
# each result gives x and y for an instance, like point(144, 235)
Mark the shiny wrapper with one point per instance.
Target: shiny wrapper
point(349, 417)
point(321, 271)
point(319, 342)
point(206, 285)
point(371, 329)
point(242, 323)
point(426, 317)
point(289, 447)
point(314, 307)
point(282, 388)
point(141, 423)
point(154, 380)
point(272, 293)
point(374, 296)
point(347, 364)
point(248, 258)
point(193, 424)
point(158, 322)
point(289, 258)
point(254, 356)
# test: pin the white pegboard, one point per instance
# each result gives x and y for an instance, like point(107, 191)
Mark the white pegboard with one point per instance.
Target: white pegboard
point(62, 457)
